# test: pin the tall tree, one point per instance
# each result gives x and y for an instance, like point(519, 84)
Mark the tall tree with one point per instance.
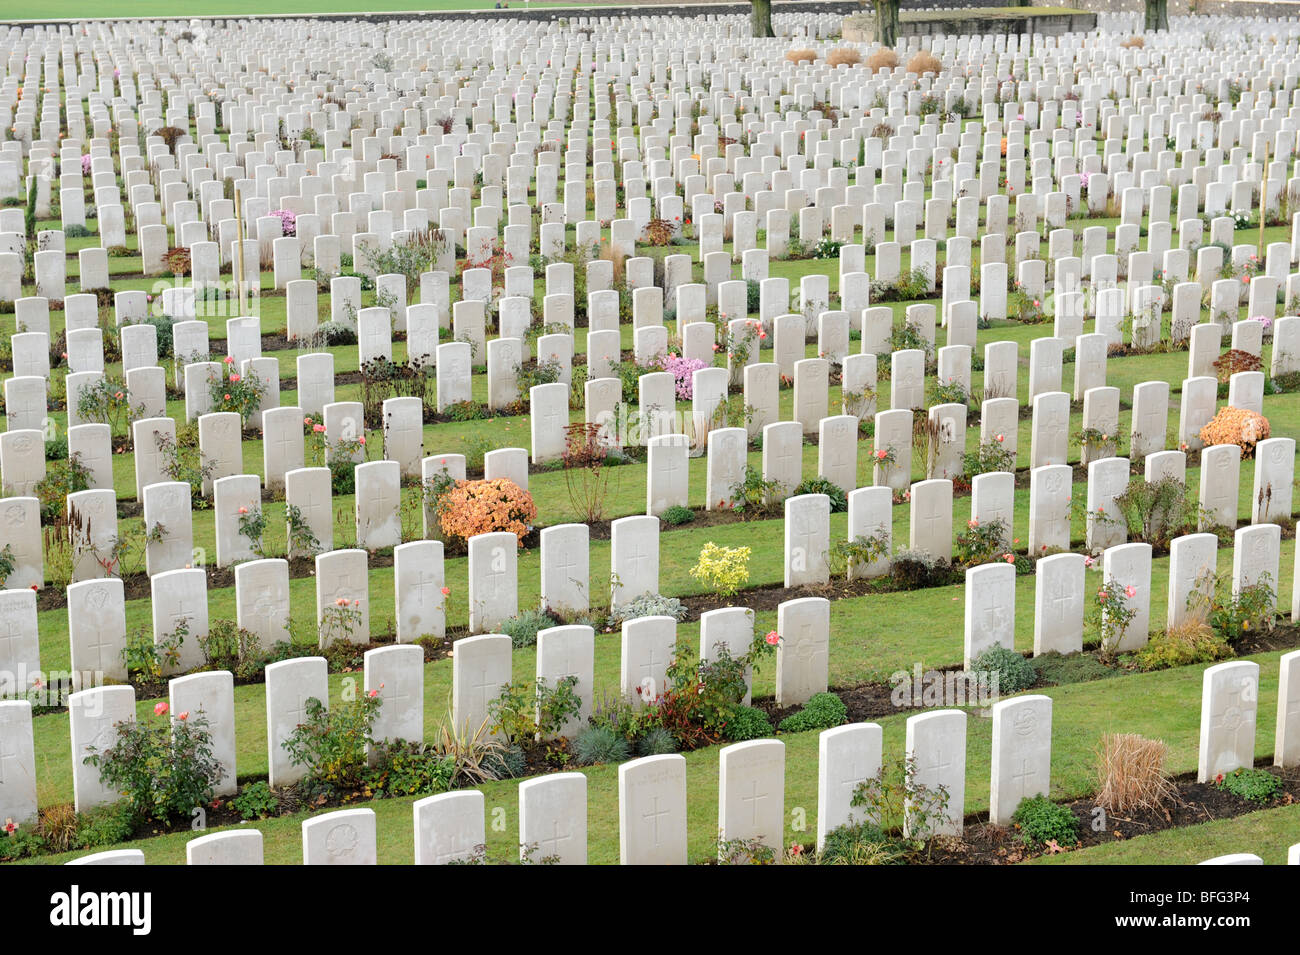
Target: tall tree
point(1157, 14)
point(887, 22)
point(760, 18)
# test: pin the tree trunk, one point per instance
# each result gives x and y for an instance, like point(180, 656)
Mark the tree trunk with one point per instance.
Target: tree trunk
point(1157, 15)
point(760, 18)
point(887, 22)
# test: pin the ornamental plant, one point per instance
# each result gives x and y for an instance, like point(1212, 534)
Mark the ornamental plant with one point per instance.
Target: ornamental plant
point(288, 221)
point(332, 742)
point(163, 767)
point(682, 369)
point(723, 570)
point(1238, 426)
point(107, 402)
point(990, 456)
point(235, 392)
point(483, 507)
point(1112, 614)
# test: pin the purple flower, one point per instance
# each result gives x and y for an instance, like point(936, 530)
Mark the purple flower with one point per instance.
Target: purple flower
point(288, 221)
point(681, 370)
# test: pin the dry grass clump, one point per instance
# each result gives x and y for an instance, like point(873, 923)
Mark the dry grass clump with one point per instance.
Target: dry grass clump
point(1134, 43)
point(882, 59)
point(844, 55)
point(1239, 426)
point(1131, 773)
point(801, 56)
point(924, 62)
point(617, 259)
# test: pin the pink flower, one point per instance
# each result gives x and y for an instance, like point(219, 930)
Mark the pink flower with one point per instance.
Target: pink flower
point(243, 510)
point(1101, 595)
point(881, 454)
point(227, 397)
point(234, 378)
point(1130, 591)
point(972, 523)
point(1000, 438)
point(228, 360)
point(1088, 562)
point(306, 420)
point(160, 708)
point(1009, 558)
point(446, 591)
point(361, 440)
point(372, 694)
point(318, 428)
point(355, 603)
point(772, 638)
point(184, 716)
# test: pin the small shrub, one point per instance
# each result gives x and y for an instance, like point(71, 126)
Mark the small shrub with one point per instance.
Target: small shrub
point(925, 62)
point(818, 485)
point(647, 605)
point(1131, 773)
point(677, 515)
point(256, 801)
point(483, 507)
point(745, 723)
point(801, 56)
point(409, 769)
point(859, 844)
point(1013, 671)
point(600, 744)
point(105, 825)
point(723, 570)
point(1134, 42)
point(332, 743)
point(164, 768)
point(1041, 821)
point(1253, 785)
point(821, 712)
point(1233, 361)
point(1192, 641)
point(657, 741)
point(1238, 426)
point(882, 59)
point(523, 629)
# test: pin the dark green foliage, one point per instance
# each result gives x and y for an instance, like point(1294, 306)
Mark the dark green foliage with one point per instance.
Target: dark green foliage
point(1014, 672)
point(1041, 821)
point(256, 801)
point(822, 711)
point(1253, 785)
point(677, 515)
point(1055, 669)
point(747, 722)
point(818, 485)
